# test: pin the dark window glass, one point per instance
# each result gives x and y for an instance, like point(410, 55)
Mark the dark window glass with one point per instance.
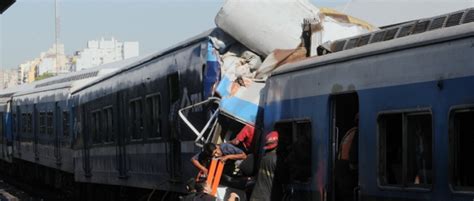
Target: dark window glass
point(462, 147)
point(105, 125)
point(136, 115)
point(293, 166)
point(23, 122)
point(419, 141)
point(42, 123)
point(14, 123)
point(405, 149)
point(96, 127)
point(99, 133)
point(154, 113)
point(391, 135)
point(173, 87)
point(110, 125)
point(49, 123)
point(29, 123)
point(65, 123)
point(131, 115)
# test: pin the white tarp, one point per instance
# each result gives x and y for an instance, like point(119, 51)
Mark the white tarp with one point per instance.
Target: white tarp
point(265, 25)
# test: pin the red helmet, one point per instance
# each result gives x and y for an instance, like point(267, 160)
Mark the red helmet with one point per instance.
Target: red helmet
point(271, 140)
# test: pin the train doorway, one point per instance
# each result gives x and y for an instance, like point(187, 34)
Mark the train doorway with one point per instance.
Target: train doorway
point(344, 175)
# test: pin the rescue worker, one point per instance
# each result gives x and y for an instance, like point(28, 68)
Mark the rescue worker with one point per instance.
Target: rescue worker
point(244, 139)
point(224, 152)
point(347, 164)
point(202, 160)
point(263, 187)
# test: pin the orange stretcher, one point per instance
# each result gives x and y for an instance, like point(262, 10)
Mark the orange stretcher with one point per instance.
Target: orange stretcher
point(215, 173)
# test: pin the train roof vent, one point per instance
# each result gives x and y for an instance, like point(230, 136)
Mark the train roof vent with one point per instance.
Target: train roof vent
point(454, 19)
point(437, 23)
point(469, 17)
point(339, 45)
point(69, 79)
point(421, 26)
point(390, 34)
point(406, 29)
point(378, 37)
point(351, 44)
point(364, 40)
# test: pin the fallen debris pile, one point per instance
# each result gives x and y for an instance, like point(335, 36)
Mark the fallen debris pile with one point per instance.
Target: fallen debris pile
point(252, 39)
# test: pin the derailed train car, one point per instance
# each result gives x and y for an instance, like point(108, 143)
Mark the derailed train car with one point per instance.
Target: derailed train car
point(409, 88)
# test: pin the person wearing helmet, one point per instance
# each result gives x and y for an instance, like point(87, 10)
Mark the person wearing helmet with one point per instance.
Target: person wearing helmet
point(263, 186)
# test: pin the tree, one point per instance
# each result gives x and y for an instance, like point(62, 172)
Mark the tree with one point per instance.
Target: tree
point(44, 76)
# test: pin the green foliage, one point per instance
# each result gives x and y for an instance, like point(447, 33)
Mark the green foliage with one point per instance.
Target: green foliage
point(44, 76)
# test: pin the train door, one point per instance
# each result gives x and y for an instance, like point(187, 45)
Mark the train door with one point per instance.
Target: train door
point(121, 136)
point(173, 145)
point(344, 153)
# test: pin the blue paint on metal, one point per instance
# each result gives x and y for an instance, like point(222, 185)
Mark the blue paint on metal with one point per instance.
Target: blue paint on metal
point(224, 87)
point(414, 97)
point(8, 126)
point(241, 109)
point(211, 76)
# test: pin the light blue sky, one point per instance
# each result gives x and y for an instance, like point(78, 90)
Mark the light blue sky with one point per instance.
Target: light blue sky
point(28, 26)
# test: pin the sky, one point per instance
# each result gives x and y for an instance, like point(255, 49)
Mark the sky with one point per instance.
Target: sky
point(27, 28)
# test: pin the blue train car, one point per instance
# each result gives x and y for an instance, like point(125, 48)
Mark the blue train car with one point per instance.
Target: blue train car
point(129, 132)
point(412, 94)
point(43, 126)
point(7, 122)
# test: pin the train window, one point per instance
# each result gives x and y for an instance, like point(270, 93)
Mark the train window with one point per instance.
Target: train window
point(294, 155)
point(42, 123)
point(105, 125)
point(462, 140)
point(173, 87)
point(108, 125)
point(49, 123)
point(96, 127)
point(405, 149)
point(23, 123)
point(154, 116)
point(391, 143)
point(136, 115)
point(65, 123)
point(14, 123)
point(29, 123)
point(419, 142)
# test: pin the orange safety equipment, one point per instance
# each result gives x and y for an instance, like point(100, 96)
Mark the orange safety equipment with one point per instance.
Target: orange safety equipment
point(346, 144)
